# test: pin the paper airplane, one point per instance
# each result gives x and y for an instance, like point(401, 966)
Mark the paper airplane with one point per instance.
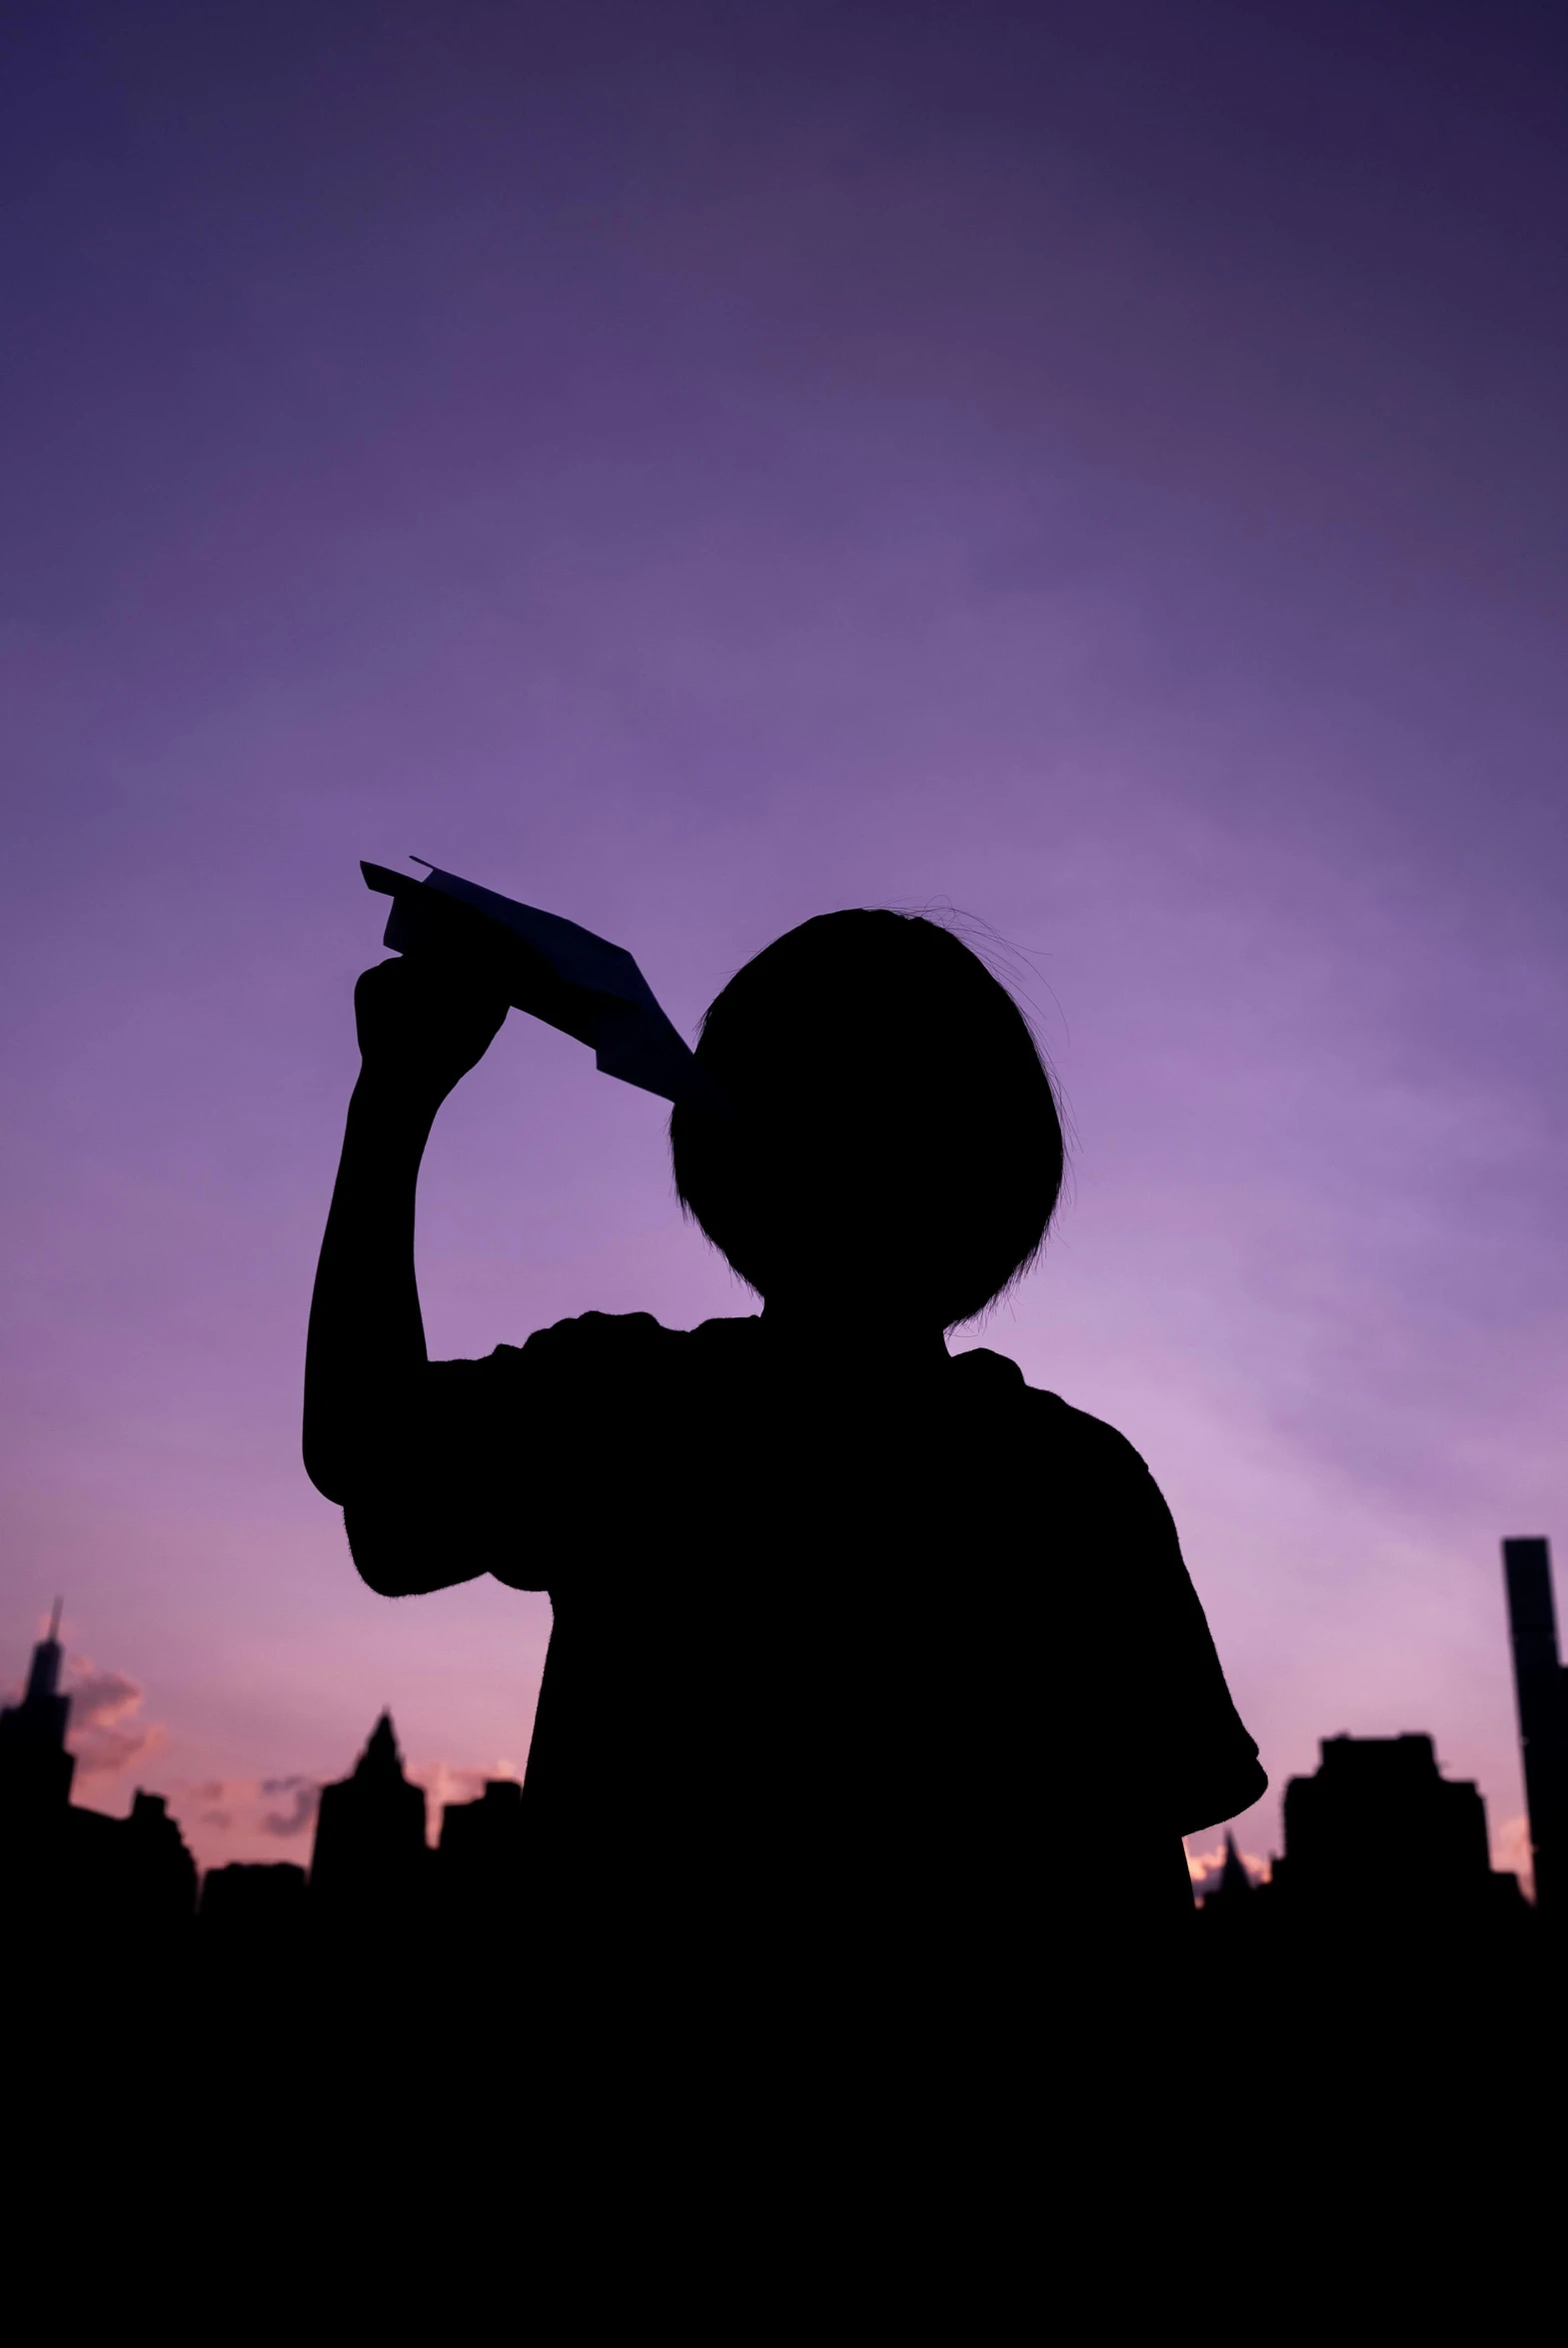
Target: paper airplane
point(552, 970)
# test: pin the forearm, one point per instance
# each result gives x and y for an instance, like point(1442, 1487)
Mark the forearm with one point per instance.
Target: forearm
point(367, 1338)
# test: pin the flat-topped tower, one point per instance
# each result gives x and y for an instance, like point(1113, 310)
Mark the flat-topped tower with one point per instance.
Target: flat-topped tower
point(1541, 1692)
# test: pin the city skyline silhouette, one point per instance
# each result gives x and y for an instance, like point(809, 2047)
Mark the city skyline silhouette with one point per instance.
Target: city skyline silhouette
point(1378, 1830)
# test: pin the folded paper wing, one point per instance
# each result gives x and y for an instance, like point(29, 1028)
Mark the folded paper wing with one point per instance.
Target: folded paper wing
point(550, 969)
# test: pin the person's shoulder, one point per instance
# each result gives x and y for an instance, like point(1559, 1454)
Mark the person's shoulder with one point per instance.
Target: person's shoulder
point(607, 1340)
point(596, 1328)
point(586, 1336)
point(1002, 1380)
point(730, 1334)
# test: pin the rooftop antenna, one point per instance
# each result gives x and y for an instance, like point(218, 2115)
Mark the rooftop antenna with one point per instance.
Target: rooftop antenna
point(54, 1622)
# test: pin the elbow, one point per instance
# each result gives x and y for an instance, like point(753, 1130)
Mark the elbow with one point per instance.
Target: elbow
point(329, 1448)
point(400, 1554)
point(383, 1551)
point(324, 1473)
point(382, 1570)
point(1224, 1795)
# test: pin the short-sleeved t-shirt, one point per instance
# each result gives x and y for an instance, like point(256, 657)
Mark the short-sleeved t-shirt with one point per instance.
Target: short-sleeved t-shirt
point(832, 1648)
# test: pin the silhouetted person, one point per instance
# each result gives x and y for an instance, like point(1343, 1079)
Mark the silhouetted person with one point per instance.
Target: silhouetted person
point(850, 1634)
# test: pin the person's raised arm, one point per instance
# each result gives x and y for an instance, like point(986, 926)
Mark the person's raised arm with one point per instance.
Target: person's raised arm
point(422, 1025)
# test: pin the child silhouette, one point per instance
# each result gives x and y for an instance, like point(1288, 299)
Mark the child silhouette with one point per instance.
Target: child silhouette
point(826, 1714)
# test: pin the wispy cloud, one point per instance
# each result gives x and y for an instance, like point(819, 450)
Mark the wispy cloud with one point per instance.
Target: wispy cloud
point(243, 1808)
point(303, 1801)
point(230, 1817)
point(105, 1734)
point(1511, 1852)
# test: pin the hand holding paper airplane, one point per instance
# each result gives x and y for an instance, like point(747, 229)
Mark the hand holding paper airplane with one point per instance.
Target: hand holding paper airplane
point(551, 968)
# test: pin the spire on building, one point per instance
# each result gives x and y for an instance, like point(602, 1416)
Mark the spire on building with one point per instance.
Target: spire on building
point(35, 1768)
point(1233, 1878)
point(74, 1878)
point(370, 1860)
point(1233, 1885)
point(381, 1758)
point(43, 1678)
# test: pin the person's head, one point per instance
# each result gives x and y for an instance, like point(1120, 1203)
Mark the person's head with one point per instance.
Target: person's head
point(891, 1137)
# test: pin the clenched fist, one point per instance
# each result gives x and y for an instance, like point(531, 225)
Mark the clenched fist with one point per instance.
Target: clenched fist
point(425, 1022)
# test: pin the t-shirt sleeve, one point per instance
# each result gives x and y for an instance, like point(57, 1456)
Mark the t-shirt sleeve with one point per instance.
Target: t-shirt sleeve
point(1175, 1730)
point(517, 1462)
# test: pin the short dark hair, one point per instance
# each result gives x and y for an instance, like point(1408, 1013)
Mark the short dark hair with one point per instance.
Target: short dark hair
point(885, 1101)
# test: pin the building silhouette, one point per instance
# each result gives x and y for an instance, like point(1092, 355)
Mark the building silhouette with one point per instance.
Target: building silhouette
point(1541, 1693)
point(1234, 1889)
point(1377, 1844)
point(157, 1890)
point(70, 1874)
point(35, 1768)
point(481, 1858)
point(370, 1864)
point(253, 1900)
point(254, 1925)
point(1379, 1838)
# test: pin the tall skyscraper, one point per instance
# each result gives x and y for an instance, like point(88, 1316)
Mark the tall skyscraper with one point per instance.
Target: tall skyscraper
point(1541, 1690)
point(77, 1878)
point(35, 1768)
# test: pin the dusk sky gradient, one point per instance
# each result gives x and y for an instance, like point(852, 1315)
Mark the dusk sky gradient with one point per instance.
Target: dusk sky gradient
point(1098, 466)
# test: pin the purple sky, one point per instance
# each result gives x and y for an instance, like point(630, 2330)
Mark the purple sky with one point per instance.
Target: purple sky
point(694, 466)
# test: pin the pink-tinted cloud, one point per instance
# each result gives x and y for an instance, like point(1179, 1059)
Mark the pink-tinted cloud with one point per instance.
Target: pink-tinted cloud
point(1511, 1854)
point(229, 1817)
point(1205, 1867)
point(105, 1734)
point(304, 1799)
point(226, 1818)
point(443, 1782)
